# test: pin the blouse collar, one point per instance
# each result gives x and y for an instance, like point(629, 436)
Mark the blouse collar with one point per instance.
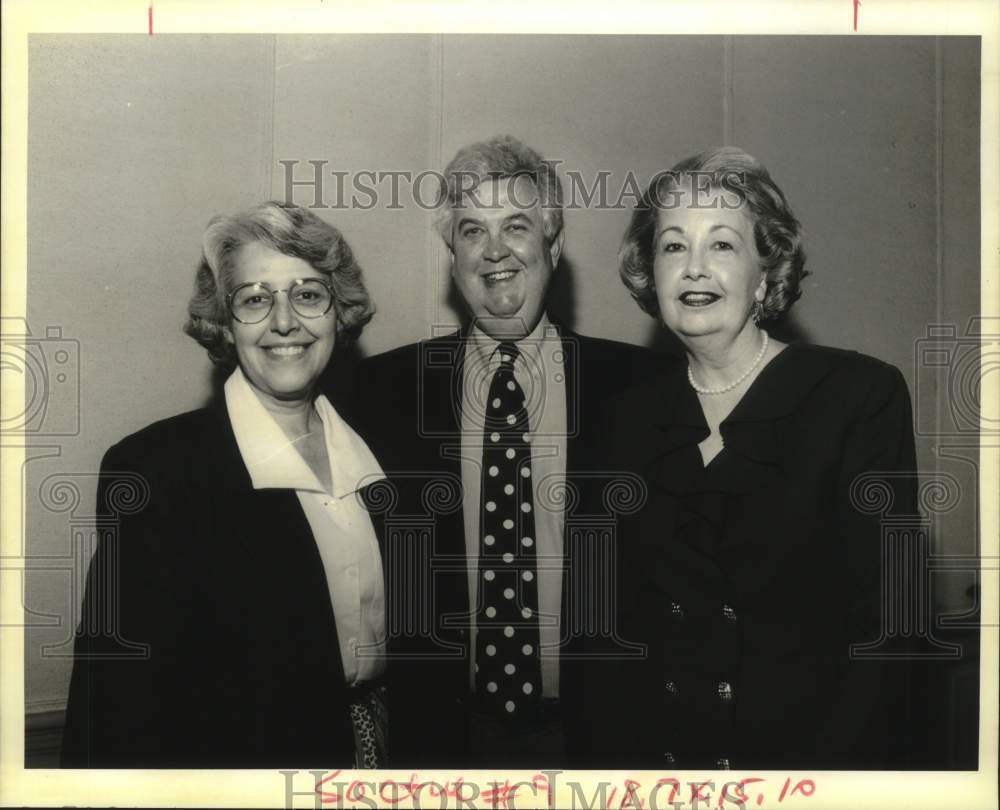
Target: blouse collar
point(272, 460)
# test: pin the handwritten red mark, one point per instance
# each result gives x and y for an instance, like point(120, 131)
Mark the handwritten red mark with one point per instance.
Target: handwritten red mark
point(856, 4)
point(784, 790)
point(325, 796)
point(501, 794)
point(630, 799)
point(149, 12)
point(696, 791)
point(674, 787)
point(806, 787)
point(739, 794)
point(540, 782)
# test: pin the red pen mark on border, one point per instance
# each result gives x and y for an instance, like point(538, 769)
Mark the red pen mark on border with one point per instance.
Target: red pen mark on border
point(150, 15)
point(856, 4)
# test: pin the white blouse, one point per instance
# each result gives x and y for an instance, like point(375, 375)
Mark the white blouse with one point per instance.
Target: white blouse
point(340, 523)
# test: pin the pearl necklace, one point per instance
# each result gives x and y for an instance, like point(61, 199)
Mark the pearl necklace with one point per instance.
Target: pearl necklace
point(723, 389)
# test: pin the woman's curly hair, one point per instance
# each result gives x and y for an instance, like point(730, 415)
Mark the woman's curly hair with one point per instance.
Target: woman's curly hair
point(777, 233)
point(290, 230)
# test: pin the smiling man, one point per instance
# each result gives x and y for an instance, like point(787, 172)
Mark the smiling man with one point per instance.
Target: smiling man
point(502, 416)
point(503, 254)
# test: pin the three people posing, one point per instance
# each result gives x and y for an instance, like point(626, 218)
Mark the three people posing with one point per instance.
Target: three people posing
point(417, 588)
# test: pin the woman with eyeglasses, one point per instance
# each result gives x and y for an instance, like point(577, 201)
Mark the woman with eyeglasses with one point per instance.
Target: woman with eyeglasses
point(234, 614)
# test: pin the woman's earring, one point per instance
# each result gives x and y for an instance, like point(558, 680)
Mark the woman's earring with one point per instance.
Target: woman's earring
point(757, 310)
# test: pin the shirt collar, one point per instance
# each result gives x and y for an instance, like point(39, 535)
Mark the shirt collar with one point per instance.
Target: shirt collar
point(485, 346)
point(272, 460)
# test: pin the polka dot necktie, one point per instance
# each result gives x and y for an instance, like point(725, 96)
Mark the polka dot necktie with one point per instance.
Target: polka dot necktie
point(508, 668)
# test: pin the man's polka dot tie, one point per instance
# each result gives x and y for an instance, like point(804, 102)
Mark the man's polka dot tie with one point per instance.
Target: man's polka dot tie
point(508, 667)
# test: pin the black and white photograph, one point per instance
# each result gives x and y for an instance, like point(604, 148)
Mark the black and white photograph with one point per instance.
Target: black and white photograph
point(400, 410)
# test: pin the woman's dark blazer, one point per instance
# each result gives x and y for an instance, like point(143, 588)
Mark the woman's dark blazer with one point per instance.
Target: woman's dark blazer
point(207, 636)
point(750, 580)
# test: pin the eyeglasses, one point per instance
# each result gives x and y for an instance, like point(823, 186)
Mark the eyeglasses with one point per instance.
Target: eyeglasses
point(252, 302)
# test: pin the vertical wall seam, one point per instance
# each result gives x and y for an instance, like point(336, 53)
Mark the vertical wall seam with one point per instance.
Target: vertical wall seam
point(728, 92)
point(435, 141)
point(941, 395)
point(939, 174)
point(270, 105)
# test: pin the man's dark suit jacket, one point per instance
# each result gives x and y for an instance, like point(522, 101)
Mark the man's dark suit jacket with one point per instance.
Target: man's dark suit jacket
point(207, 637)
point(753, 577)
point(408, 409)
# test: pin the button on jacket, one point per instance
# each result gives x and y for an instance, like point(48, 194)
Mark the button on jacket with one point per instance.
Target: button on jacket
point(750, 578)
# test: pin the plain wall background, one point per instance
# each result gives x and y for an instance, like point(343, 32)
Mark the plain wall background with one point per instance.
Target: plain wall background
point(135, 142)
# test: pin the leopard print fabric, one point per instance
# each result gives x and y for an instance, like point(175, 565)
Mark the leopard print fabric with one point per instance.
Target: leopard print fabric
point(370, 718)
